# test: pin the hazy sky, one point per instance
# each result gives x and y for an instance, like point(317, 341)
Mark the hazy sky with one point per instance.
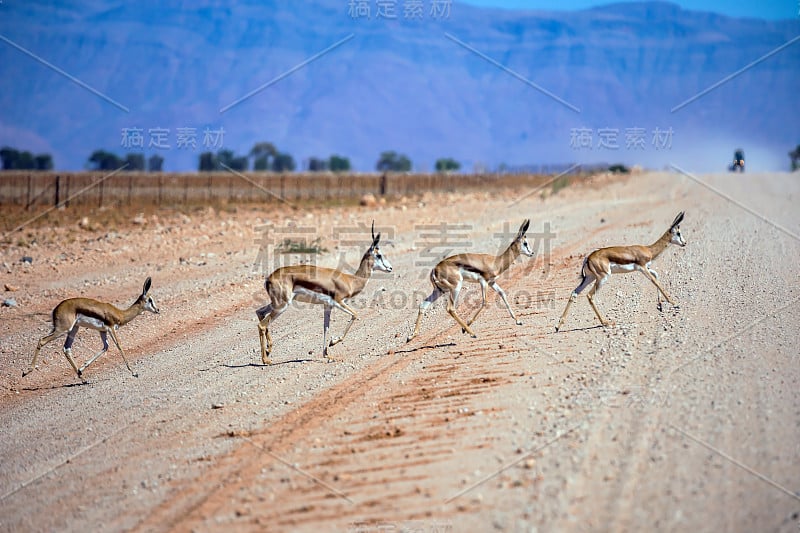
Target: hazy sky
point(768, 9)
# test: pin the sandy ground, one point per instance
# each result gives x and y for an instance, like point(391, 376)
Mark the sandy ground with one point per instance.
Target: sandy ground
point(681, 420)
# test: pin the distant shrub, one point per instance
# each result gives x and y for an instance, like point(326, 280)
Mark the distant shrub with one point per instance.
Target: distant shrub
point(560, 183)
point(619, 169)
point(289, 246)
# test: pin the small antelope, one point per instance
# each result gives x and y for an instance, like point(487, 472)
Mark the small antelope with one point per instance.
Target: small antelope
point(317, 285)
point(600, 264)
point(449, 275)
point(71, 314)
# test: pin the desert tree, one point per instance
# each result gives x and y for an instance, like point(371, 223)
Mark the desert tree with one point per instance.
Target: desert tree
point(316, 164)
point(392, 161)
point(283, 162)
point(337, 163)
point(102, 160)
point(155, 163)
point(447, 164)
point(261, 154)
point(135, 162)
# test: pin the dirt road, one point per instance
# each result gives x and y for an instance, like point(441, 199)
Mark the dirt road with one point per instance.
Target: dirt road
point(687, 419)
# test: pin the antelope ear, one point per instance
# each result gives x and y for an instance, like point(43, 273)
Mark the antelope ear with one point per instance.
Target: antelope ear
point(375, 238)
point(146, 287)
point(523, 229)
point(678, 219)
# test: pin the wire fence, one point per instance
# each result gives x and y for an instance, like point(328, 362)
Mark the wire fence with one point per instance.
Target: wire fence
point(36, 188)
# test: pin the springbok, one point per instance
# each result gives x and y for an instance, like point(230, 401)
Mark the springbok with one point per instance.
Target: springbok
point(449, 275)
point(600, 264)
point(317, 285)
point(71, 314)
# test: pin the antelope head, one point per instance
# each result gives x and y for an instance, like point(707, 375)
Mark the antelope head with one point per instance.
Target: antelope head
point(675, 231)
point(148, 303)
point(380, 262)
point(524, 247)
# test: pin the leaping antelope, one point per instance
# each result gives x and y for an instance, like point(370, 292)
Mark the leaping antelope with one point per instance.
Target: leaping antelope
point(449, 275)
point(600, 264)
point(71, 314)
point(318, 285)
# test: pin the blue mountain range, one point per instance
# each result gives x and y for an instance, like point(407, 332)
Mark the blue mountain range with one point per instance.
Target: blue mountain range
point(640, 83)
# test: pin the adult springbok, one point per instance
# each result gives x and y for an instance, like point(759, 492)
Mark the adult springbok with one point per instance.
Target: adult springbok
point(450, 274)
point(317, 285)
point(71, 314)
point(600, 264)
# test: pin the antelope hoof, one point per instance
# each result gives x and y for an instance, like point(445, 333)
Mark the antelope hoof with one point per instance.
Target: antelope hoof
point(266, 361)
point(135, 374)
point(519, 322)
point(24, 373)
point(409, 339)
point(659, 307)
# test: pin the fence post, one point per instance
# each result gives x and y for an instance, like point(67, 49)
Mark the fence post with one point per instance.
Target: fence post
point(58, 187)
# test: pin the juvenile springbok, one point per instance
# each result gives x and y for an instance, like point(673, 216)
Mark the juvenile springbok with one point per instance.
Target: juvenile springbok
point(449, 275)
point(317, 285)
point(71, 314)
point(600, 264)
